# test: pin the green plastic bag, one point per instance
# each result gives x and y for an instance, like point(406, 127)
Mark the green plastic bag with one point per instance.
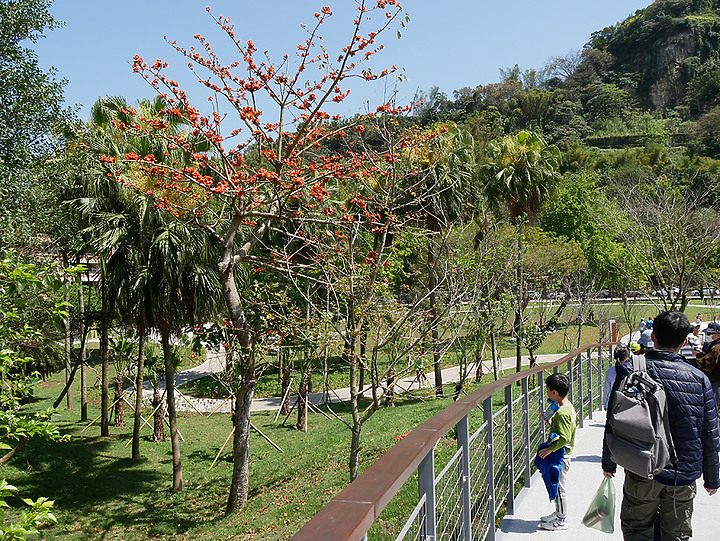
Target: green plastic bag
point(601, 513)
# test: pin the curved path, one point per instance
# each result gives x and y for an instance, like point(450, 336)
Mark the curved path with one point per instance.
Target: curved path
point(216, 363)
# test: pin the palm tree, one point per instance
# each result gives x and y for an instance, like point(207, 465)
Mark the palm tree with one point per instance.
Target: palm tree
point(449, 192)
point(160, 269)
point(520, 171)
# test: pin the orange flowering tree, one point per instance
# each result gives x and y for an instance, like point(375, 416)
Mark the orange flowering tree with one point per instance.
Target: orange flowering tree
point(262, 175)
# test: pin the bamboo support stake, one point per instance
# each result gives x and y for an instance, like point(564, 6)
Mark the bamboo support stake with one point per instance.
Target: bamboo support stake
point(287, 392)
point(266, 438)
point(188, 401)
point(178, 430)
point(144, 421)
point(222, 449)
point(98, 417)
point(220, 405)
point(315, 408)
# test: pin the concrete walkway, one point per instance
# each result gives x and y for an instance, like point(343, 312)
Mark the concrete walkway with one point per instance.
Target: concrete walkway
point(584, 477)
point(216, 363)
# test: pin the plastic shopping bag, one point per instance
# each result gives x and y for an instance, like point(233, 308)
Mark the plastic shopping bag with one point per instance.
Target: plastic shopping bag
point(601, 513)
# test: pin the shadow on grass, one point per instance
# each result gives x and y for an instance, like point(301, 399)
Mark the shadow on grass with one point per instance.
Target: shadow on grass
point(96, 492)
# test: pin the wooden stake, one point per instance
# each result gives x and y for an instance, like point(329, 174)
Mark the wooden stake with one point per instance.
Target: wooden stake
point(287, 392)
point(144, 421)
point(220, 405)
point(188, 401)
point(315, 408)
point(222, 448)
point(98, 417)
point(178, 430)
point(266, 438)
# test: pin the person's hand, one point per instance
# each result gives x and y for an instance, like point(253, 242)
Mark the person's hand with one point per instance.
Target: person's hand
point(711, 491)
point(544, 452)
point(609, 473)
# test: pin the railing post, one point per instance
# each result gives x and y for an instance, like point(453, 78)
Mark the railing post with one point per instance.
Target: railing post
point(526, 428)
point(571, 377)
point(463, 433)
point(601, 379)
point(580, 390)
point(510, 451)
point(541, 406)
point(426, 483)
point(589, 383)
point(489, 465)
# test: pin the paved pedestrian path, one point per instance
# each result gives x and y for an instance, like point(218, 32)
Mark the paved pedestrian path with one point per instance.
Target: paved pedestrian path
point(584, 477)
point(216, 363)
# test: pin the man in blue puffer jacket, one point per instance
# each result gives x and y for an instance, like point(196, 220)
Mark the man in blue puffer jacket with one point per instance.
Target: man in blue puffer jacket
point(694, 427)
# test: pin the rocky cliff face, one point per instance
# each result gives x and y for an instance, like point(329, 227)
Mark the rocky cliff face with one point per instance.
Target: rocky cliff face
point(664, 52)
point(662, 71)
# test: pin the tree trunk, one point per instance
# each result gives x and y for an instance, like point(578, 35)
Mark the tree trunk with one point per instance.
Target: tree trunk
point(363, 360)
point(352, 361)
point(518, 323)
point(245, 389)
point(496, 361)
point(105, 362)
point(172, 414)
point(240, 482)
point(83, 351)
point(355, 451)
point(390, 395)
point(517, 330)
point(286, 380)
point(68, 351)
point(432, 286)
point(302, 403)
point(139, 382)
point(458, 390)
point(158, 416)
point(119, 404)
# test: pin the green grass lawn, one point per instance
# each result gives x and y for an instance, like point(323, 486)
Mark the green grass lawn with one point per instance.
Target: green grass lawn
point(100, 493)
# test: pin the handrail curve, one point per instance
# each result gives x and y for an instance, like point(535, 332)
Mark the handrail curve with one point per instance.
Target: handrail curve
point(349, 515)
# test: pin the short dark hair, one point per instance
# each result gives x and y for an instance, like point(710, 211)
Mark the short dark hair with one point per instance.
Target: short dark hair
point(671, 329)
point(559, 383)
point(621, 353)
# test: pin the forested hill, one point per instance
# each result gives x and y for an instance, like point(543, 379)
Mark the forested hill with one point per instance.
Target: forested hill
point(667, 53)
point(652, 78)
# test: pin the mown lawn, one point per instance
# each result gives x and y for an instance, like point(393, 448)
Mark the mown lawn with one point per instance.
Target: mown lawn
point(100, 493)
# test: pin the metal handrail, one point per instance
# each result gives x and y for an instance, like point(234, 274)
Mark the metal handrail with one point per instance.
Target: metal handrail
point(349, 515)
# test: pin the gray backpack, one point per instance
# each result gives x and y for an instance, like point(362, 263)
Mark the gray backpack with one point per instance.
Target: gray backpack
point(640, 441)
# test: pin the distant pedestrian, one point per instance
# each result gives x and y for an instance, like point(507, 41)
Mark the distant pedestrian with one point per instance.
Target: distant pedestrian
point(420, 376)
point(621, 354)
point(645, 339)
point(641, 325)
point(709, 361)
point(698, 319)
point(692, 345)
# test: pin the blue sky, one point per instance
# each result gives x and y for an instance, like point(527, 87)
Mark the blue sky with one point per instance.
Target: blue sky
point(447, 43)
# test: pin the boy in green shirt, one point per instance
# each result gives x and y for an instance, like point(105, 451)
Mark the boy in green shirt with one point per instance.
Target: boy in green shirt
point(563, 423)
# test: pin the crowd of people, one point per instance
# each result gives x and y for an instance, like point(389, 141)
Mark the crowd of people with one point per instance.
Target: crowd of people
point(658, 507)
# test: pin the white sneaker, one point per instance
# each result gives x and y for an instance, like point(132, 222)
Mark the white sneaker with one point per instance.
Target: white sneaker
point(549, 518)
point(558, 524)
